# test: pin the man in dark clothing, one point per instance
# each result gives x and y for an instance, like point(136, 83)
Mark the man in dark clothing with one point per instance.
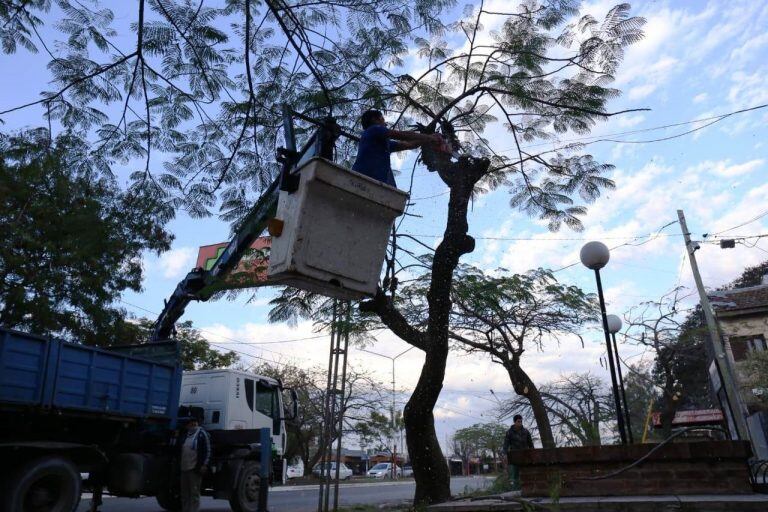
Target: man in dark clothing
point(195, 457)
point(376, 143)
point(517, 438)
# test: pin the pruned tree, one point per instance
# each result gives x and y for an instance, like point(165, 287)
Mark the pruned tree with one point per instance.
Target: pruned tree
point(580, 405)
point(535, 95)
point(206, 102)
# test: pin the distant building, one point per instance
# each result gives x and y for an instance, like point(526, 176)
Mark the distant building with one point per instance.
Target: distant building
point(742, 314)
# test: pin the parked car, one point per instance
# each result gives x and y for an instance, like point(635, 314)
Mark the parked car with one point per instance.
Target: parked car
point(344, 472)
point(407, 471)
point(294, 471)
point(384, 470)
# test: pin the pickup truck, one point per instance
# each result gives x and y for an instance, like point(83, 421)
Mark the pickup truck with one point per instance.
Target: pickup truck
point(68, 410)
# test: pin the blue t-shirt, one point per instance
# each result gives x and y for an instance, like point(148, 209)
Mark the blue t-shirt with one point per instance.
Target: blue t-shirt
point(373, 154)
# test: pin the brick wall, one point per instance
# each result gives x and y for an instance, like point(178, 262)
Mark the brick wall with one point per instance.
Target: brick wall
point(711, 467)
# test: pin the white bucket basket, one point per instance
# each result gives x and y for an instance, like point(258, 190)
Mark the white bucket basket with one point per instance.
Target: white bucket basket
point(335, 231)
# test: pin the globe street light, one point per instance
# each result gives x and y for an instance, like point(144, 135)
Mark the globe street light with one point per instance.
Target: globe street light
point(595, 255)
point(614, 326)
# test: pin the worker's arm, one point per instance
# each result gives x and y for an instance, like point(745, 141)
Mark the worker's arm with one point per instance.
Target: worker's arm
point(419, 138)
point(397, 145)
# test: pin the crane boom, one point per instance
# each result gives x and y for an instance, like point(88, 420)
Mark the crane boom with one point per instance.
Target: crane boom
point(201, 284)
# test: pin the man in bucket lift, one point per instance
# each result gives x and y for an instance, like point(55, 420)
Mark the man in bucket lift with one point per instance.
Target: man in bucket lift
point(376, 144)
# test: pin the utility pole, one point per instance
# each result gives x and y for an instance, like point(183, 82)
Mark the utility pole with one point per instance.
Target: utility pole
point(715, 339)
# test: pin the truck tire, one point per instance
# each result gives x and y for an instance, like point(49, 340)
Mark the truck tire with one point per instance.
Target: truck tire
point(245, 495)
point(169, 499)
point(47, 484)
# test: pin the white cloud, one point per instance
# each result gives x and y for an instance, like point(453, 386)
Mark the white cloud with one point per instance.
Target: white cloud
point(175, 263)
point(725, 169)
point(700, 98)
point(749, 89)
point(641, 91)
point(630, 121)
point(750, 49)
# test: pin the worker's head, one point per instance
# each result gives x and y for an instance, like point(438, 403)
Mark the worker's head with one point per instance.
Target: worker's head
point(372, 117)
point(192, 423)
point(518, 419)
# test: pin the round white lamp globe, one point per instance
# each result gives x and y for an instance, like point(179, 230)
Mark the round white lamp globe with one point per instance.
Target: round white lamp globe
point(614, 324)
point(594, 255)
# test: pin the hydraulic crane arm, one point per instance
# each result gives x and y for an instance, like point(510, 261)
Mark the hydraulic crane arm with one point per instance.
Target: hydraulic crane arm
point(202, 284)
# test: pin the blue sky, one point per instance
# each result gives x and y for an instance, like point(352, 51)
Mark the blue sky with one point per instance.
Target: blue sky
point(697, 60)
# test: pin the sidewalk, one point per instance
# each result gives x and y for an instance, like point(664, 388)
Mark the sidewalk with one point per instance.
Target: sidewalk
point(692, 503)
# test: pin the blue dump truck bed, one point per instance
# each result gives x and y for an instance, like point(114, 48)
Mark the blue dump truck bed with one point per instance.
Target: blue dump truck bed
point(133, 382)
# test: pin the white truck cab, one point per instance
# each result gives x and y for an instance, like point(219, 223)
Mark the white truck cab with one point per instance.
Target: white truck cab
point(236, 404)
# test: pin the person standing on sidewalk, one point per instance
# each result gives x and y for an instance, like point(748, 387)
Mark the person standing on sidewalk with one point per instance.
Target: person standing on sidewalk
point(518, 438)
point(195, 456)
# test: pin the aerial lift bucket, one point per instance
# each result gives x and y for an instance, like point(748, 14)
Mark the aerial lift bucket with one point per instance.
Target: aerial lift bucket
point(330, 235)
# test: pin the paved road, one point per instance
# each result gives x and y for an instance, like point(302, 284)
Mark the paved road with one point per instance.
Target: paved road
point(300, 498)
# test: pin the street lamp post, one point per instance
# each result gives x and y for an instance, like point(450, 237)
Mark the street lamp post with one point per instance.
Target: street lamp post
point(392, 411)
point(595, 255)
point(614, 326)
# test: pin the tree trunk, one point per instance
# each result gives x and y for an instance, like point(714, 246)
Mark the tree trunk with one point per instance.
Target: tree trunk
point(430, 469)
point(670, 402)
point(595, 424)
point(668, 414)
point(524, 386)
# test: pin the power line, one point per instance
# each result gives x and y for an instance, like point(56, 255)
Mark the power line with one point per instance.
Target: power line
point(599, 138)
point(649, 237)
point(753, 219)
point(513, 239)
point(737, 238)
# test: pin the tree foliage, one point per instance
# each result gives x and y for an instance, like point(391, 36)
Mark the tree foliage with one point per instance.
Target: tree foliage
point(641, 395)
point(505, 315)
point(379, 431)
point(751, 276)
point(72, 240)
point(201, 85)
point(482, 440)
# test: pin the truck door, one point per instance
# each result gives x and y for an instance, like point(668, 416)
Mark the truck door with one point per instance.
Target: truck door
point(268, 404)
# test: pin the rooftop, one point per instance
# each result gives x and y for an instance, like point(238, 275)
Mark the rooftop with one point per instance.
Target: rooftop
point(742, 300)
